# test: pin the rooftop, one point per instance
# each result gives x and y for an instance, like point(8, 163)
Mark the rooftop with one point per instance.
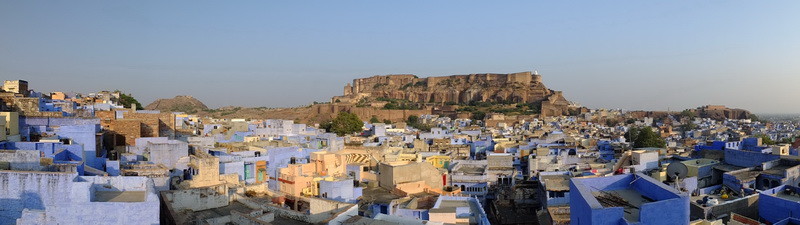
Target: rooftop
point(631, 200)
point(700, 162)
point(119, 196)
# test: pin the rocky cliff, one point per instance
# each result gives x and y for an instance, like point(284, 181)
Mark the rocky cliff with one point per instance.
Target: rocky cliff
point(181, 103)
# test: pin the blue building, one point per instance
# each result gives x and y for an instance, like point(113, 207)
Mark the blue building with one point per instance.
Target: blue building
point(478, 149)
point(648, 201)
point(72, 131)
point(780, 204)
point(744, 158)
point(606, 150)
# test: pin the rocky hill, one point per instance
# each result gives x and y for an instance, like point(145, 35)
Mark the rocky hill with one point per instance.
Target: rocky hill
point(716, 112)
point(368, 97)
point(181, 103)
point(719, 112)
point(523, 87)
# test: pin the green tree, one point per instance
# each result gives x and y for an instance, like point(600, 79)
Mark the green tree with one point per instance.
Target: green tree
point(413, 121)
point(374, 120)
point(478, 115)
point(387, 121)
point(765, 139)
point(344, 123)
point(126, 101)
point(644, 137)
point(689, 114)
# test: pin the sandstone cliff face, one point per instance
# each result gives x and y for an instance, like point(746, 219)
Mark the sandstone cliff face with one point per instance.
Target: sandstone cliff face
point(177, 104)
point(515, 87)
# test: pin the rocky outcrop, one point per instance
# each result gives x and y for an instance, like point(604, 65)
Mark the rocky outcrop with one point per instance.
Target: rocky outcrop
point(524, 87)
point(719, 112)
point(181, 103)
point(716, 112)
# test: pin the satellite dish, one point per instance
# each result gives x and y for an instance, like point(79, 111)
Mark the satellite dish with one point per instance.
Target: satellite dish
point(677, 169)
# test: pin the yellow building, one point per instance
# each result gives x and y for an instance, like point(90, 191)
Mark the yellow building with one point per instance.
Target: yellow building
point(439, 161)
point(296, 178)
point(2, 128)
point(204, 170)
point(328, 164)
point(58, 95)
point(11, 129)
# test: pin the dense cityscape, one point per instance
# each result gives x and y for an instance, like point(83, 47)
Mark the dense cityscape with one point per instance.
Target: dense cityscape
point(399, 112)
point(466, 154)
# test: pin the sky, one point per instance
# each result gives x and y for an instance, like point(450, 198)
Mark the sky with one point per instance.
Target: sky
point(650, 55)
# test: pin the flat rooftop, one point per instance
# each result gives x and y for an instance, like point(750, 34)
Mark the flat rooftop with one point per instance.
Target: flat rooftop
point(120, 196)
point(783, 195)
point(378, 195)
point(631, 196)
point(471, 169)
point(451, 205)
point(218, 212)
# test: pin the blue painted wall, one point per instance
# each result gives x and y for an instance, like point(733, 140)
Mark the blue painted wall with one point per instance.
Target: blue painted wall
point(716, 145)
point(669, 207)
point(747, 158)
point(774, 209)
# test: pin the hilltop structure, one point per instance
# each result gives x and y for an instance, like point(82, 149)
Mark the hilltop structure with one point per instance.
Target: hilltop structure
point(522, 87)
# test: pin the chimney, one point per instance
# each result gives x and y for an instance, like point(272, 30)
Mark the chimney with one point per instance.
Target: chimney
point(133, 107)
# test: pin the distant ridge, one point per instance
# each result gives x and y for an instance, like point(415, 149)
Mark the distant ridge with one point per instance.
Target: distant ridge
point(180, 103)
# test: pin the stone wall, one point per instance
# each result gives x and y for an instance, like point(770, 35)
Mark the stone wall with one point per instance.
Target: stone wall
point(131, 124)
point(328, 111)
point(27, 106)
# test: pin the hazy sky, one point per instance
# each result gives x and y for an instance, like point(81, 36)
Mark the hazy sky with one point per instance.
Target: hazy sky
point(653, 55)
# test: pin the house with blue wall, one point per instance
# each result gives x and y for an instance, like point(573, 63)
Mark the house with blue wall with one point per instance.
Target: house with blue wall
point(745, 158)
point(715, 145)
point(606, 150)
point(245, 164)
point(779, 204)
point(649, 201)
point(480, 148)
point(75, 131)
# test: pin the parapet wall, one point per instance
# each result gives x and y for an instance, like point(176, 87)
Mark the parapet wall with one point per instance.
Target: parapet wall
point(31, 190)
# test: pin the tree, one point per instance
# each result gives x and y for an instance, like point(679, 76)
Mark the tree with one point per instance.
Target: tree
point(413, 121)
point(644, 137)
point(765, 139)
point(374, 120)
point(126, 101)
point(478, 115)
point(386, 121)
point(344, 123)
point(689, 114)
